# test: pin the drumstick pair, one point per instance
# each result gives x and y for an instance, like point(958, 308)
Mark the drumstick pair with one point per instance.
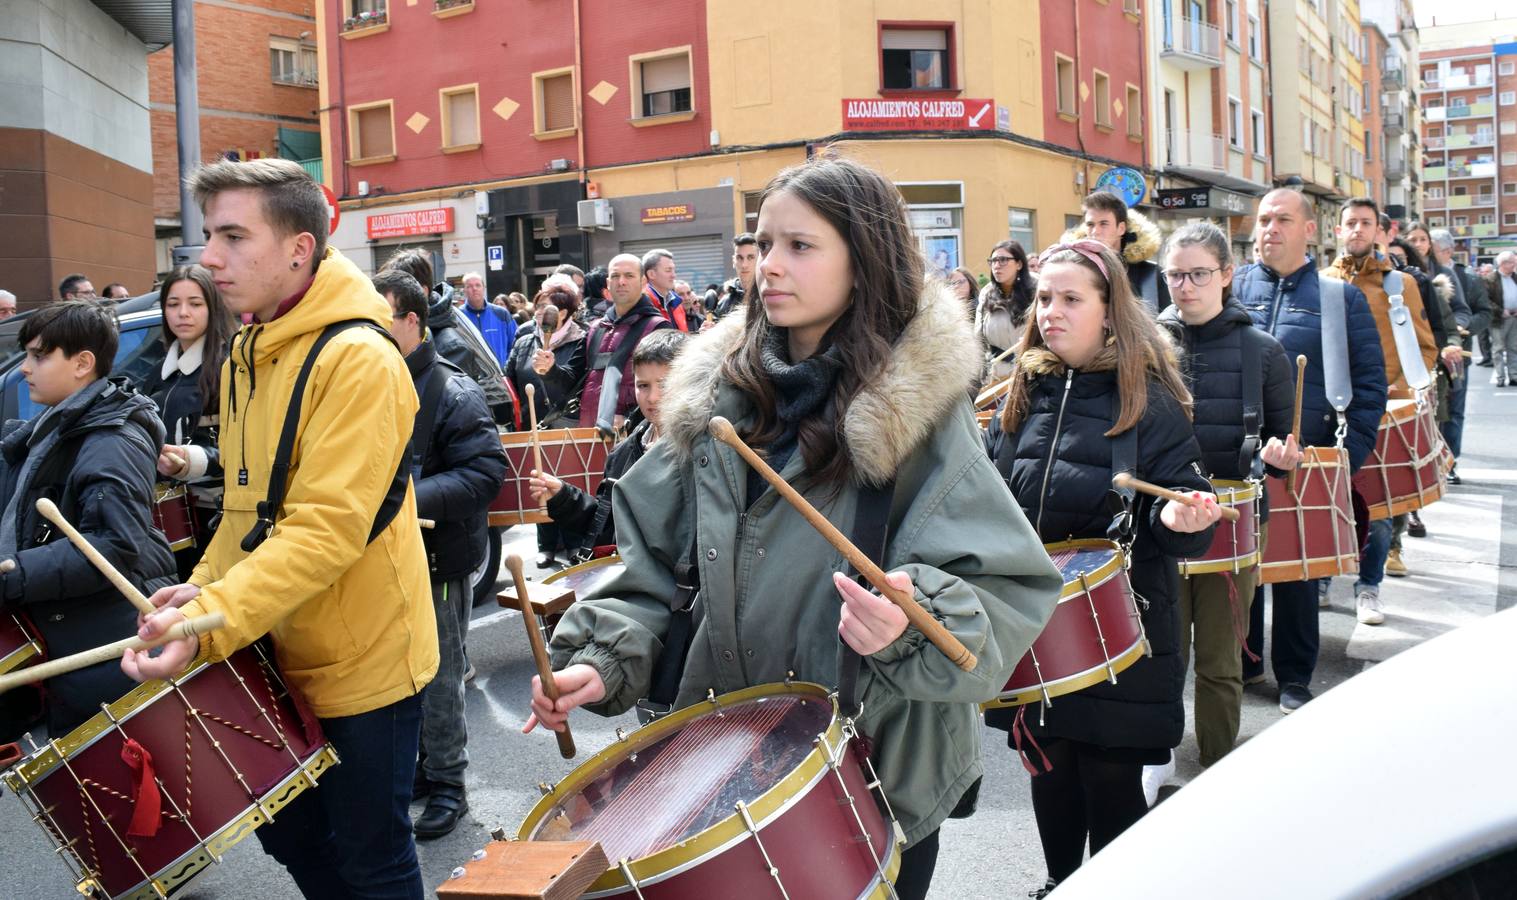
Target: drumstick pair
point(1124, 481)
point(539, 650)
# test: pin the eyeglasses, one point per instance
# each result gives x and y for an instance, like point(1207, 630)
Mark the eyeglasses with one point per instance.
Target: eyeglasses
point(957, 281)
point(1198, 277)
point(1001, 260)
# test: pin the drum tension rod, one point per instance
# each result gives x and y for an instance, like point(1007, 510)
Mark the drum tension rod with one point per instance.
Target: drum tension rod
point(626, 871)
point(774, 872)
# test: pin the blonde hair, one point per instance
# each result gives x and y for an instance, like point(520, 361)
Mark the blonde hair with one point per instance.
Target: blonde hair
point(293, 203)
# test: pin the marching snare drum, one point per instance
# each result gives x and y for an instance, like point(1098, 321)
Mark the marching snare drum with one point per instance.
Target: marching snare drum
point(574, 456)
point(1096, 630)
point(587, 576)
point(1235, 545)
point(18, 642)
point(160, 784)
point(1405, 471)
point(172, 515)
point(760, 792)
point(1312, 533)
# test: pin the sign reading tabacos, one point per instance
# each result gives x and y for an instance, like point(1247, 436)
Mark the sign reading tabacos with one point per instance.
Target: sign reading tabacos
point(405, 224)
point(918, 115)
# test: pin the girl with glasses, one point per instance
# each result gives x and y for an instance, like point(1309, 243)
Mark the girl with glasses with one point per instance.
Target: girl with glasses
point(1002, 312)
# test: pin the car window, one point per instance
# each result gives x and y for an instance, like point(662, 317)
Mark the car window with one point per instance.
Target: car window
point(138, 353)
point(1485, 878)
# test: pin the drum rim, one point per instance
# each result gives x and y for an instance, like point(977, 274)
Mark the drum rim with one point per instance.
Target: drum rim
point(1098, 576)
point(168, 490)
point(585, 566)
point(1248, 560)
point(1237, 491)
point(1069, 684)
point(550, 436)
point(18, 657)
point(717, 837)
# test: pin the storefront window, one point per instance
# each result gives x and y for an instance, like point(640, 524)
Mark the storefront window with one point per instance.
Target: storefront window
point(1021, 226)
point(936, 213)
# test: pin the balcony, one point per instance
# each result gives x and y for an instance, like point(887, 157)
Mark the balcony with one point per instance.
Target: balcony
point(1434, 203)
point(1470, 201)
point(1461, 81)
point(1435, 173)
point(1481, 109)
point(1394, 123)
point(1472, 170)
point(1393, 79)
point(1476, 231)
point(1435, 143)
point(1192, 44)
point(1196, 151)
point(1461, 141)
point(1395, 169)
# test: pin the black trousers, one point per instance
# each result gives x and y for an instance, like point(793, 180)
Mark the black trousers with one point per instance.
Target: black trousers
point(917, 865)
point(1090, 793)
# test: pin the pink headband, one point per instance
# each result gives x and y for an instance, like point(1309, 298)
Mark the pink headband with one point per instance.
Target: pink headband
point(1086, 247)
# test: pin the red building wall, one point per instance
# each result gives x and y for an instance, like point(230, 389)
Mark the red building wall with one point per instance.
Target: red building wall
point(1107, 40)
point(492, 46)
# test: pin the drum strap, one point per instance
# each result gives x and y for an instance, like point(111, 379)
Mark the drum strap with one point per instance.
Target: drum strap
point(1413, 368)
point(279, 472)
point(1124, 458)
point(1249, 461)
point(1335, 377)
point(671, 662)
point(871, 530)
point(426, 417)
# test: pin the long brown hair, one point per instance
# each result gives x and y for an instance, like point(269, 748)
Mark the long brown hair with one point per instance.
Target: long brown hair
point(1143, 352)
point(219, 327)
point(869, 213)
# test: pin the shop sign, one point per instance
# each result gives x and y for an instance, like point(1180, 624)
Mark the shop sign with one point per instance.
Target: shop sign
point(407, 224)
point(1125, 183)
point(874, 114)
point(663, 215)
point(1205, 201)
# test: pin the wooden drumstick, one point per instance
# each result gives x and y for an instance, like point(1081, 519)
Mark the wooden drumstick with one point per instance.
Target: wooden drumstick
point(189, 627)
point(1124, 481)
point(51, 512)
point(7, 566)
point(427, 523)
point(537, 448)
point(924, 622)
point(539, 651)
point(1290, 477)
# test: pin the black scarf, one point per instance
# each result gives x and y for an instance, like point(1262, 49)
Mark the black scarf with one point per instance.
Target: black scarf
point(801, 390)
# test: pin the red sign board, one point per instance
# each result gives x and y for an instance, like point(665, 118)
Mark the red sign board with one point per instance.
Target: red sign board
point(405, 224)
point(906, 114)
point(675, 212)
point(334, 212)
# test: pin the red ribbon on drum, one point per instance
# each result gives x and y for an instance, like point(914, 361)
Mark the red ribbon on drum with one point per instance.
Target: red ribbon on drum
point(147, 802)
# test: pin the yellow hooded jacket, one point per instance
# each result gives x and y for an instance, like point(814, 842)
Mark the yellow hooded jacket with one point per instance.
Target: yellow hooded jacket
point(352, 622)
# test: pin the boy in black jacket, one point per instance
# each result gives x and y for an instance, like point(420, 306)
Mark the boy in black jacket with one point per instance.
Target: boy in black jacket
point(573, 510)
point(93, 451)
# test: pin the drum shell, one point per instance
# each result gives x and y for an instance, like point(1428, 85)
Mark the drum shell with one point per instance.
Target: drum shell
point(575, 456)
point(219, 777)
point(173, 516)
point(19, 643)
point(1313, 537)
point(1406, 469)
point(1077, 649)
point(1235, 545)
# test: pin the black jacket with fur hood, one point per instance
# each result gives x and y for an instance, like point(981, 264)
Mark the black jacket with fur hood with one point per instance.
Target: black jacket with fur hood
point(1058, 464)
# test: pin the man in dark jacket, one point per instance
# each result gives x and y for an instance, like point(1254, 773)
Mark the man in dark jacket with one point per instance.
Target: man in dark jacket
point(1283, 296)
point(458, 466)
point(93, 451)
point(744, 266)
point(1473, 291)
point(608, 395)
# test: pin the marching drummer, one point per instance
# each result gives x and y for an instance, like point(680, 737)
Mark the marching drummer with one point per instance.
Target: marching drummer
point(1097, 390)
point(844, 369)
point(1243, 392)
point(1283, 295)
point(187, 388)
point(91, 450)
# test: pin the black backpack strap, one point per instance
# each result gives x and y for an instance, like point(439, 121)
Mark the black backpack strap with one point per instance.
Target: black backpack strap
point(871, 530)
point(1124, 458)
point(426, 416)
point(1250, 464)
point(279, 472)
point(671, 662)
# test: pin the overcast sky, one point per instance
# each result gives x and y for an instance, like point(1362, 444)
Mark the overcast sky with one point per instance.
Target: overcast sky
point(1452, 12)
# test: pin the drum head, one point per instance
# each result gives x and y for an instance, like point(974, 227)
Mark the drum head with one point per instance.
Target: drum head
point(1095, 559)
point(641, 797)
point(587, 576)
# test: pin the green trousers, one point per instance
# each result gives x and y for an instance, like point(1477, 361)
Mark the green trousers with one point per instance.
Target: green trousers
point(1213, 618)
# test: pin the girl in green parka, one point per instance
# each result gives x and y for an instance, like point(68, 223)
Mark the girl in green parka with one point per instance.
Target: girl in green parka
point(848, 373)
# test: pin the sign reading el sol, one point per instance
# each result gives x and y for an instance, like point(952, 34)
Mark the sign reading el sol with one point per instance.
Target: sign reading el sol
point(674, 212)
point(874, 114)
point(405, 224)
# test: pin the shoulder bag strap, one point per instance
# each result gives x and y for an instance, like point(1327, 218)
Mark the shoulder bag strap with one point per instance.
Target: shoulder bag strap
point(1408, 351)
point(426, 417)
point(1335, 377)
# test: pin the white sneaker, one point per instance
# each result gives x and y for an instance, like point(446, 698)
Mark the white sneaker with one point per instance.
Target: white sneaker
point(1154, 777)
point(1370, 610)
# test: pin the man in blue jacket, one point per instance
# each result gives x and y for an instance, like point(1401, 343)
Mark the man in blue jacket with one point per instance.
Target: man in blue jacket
point(493, 322)
point(1282, 294)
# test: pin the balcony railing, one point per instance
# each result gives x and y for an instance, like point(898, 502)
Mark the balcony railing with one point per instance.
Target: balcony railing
point(1393, 79)
point(1395, 169)
point(1435, 173)
point(1434, 203)
point(1196, 150)
point(1193, 44)
point(1435, 143)
point(1478, 231)
point(1394, 123)
point(1479, 109)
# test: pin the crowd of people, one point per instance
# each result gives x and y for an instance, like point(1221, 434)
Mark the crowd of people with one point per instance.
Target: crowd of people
point(831, 350)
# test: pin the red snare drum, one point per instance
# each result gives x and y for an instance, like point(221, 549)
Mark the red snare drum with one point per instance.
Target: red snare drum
point(1095, 632)
point(227, 748)
point(1311, 535)
point(762, 792)
point(575, 456)
point(1235, 545)
point(1405, 470)
point(19, 645)
point(172, 515)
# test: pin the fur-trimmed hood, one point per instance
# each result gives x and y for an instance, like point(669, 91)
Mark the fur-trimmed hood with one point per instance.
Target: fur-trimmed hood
point(1443, 287)
point(1143, 242)
point(930, 368)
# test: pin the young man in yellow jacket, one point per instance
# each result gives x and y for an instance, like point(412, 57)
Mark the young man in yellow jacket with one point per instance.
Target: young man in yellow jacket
point(350, 612)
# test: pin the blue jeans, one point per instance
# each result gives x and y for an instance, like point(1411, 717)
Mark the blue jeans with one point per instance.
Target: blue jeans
point(1372, 558)
point(1453, 429)
point(1294, 634)
point(351, 837)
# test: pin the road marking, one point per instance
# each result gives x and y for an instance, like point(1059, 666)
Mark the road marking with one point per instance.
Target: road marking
point(492, 618)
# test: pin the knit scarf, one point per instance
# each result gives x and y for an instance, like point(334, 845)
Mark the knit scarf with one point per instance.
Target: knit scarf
point(801, 389)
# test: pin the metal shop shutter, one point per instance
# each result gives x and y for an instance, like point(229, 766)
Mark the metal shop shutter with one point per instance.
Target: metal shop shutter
point(699, 260)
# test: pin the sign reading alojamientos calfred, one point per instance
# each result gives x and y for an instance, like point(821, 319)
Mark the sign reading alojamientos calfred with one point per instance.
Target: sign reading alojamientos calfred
point(876, 114)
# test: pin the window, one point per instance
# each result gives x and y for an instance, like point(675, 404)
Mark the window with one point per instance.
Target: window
point(661, 84)
point(364, 14)
point(1369, 145)
point(751, 210)
point(1486, 219)
point(1064, 70)
point(914, 59)
point(1308, 136)
point(292, 62)
point(1509, 218)
point(371, 128)
point(1508, 98)
point(1435, 131)
point(1235, 122)
point(1509, 127)
point(1134, 111)
point(553, 103)
point(1509, 158)
point(1461, 221)
point(1230, 21)
point(1435, 193)
point(1256, 131)
point(460, 117)
point(1507, 68)
point(1509, 187)
point(1102, 97)
point(1020, 227)
point(1435, 221)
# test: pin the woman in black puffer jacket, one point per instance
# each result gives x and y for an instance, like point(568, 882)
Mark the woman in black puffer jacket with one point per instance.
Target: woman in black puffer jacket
point(1219, 341)
point(1095, 367)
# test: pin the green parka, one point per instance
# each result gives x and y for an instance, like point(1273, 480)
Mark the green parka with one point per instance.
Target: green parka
point(767, 604)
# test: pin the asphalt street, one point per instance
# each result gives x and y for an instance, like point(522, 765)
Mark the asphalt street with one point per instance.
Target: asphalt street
point(1465, 569)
